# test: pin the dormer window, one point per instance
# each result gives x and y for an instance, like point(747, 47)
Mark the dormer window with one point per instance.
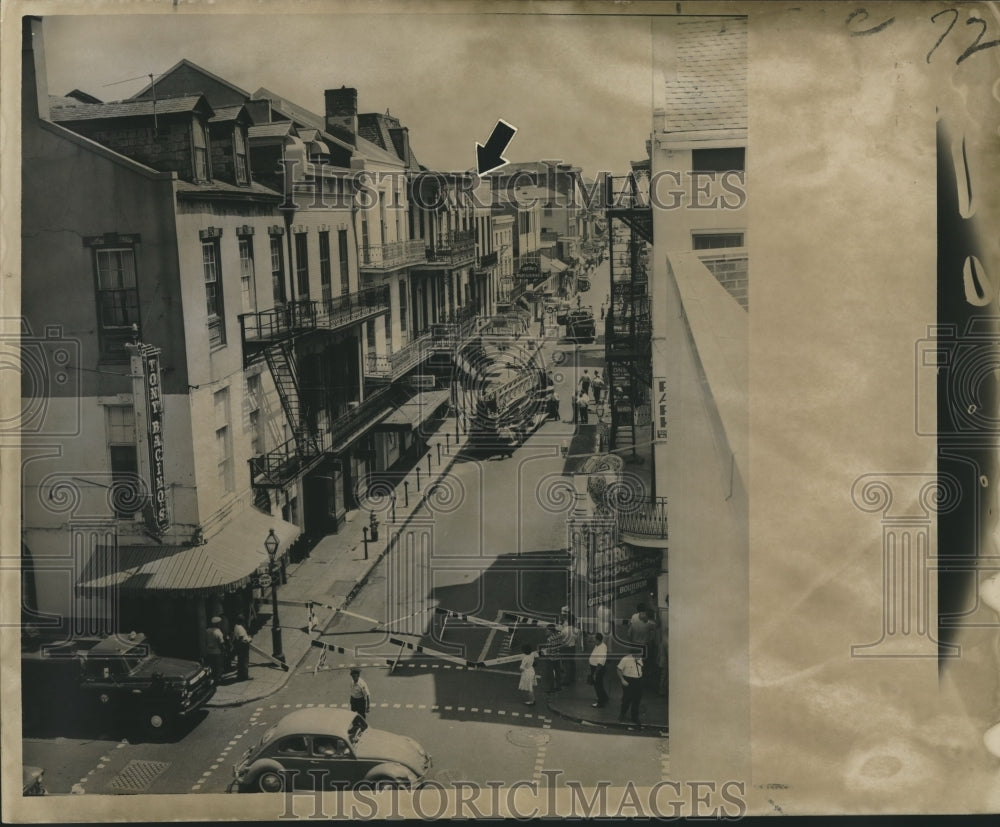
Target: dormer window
point(200, 150)
point(240, 151)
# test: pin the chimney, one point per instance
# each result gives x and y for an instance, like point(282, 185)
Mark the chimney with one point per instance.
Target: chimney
point(401, 141)
point(34, 85)
point(342, 113)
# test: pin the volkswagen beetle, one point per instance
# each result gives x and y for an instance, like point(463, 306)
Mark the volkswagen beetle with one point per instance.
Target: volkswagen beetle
point(331, 748)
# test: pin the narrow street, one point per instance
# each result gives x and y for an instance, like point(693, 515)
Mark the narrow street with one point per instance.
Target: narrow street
point(490, 538)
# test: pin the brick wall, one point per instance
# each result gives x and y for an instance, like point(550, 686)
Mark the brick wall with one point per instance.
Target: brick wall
point(733, 274)
point(168, 150)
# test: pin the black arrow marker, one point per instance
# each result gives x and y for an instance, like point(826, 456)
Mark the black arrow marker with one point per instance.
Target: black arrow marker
point(490, 157)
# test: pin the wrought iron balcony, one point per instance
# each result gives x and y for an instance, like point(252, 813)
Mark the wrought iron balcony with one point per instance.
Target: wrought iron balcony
point(453, 248)
point(283, 464)
point(278, 324)
point(646, 519)
point(392, 255)
point(392, 365)
point(488, 260)
point(455, 329)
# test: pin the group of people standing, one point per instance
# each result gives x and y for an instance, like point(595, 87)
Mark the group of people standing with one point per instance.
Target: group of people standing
point(558, 654)
point(224, 644)
point(591, 387)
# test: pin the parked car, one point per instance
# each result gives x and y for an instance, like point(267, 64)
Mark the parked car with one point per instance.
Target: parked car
point(580, 325)
point(121, 674)
point(335, 747)
point(32, 777)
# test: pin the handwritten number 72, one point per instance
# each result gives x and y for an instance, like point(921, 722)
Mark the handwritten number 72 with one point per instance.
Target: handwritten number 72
point(976, 45)
point(862, 14)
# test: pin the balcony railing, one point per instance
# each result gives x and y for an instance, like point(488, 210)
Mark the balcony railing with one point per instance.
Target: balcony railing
point(284, 463)
point(645, 519)
point(453, 248)
point(454, 330)
point(288, 460)
point(392, 254)
point(392, 365)
point(488, 260)
point(295, 318)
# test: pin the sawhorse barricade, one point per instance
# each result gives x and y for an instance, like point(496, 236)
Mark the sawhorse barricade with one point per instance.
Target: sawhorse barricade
point(476, 621)
point(434, 653)
point(271, 658)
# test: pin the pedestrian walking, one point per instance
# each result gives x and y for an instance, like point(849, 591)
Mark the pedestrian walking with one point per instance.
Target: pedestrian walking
point(598, 663)
point(630, 675)
point(597, 383)
point(583, 401)
point(602, 312)
point(554, 405)
point(528, 675)
point(585, 382)
point(361, 696)
point(241, 643)
point(215, 647)
point(576, 408)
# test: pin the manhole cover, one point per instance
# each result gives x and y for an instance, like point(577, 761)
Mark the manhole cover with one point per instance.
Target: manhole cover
point(527, 737)
point(342, 586)
point(137, 776)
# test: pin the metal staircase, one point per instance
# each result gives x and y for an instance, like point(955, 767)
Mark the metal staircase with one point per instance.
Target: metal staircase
point(628, 331)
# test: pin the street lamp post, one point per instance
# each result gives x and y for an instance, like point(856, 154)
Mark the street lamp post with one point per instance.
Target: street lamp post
point(271, 544)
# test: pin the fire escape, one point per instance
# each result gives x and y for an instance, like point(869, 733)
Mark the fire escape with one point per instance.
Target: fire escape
point(628, 331)
point(270, 336)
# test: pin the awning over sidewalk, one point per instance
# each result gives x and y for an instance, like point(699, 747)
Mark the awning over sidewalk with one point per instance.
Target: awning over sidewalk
point(224, 563)
point(416, 411)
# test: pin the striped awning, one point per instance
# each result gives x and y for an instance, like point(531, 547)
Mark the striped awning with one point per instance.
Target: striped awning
point(225, 563)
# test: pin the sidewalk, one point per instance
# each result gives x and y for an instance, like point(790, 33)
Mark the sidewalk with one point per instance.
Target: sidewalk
point(336, 564)
point(575, 703)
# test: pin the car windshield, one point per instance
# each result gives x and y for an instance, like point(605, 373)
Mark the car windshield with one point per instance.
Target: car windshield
point(357, 728)
point(132, 660)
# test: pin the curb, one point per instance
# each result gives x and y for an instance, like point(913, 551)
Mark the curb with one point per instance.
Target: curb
point(362, 582)
point(643, 729)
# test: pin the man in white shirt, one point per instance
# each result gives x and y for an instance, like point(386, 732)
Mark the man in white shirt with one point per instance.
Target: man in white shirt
point(630, 675)
point(361, 697)
point(598, 663)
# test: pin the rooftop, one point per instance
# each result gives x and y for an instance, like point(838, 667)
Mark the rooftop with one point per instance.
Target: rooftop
point(129, 109)
point(706, 75)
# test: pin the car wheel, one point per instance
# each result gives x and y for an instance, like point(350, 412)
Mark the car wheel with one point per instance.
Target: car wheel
point(157, 721)
point(270, 782)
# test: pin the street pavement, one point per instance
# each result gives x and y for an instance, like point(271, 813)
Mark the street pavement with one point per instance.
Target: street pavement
point(489, 538)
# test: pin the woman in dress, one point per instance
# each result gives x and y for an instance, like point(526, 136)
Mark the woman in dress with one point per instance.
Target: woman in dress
point(527, 683)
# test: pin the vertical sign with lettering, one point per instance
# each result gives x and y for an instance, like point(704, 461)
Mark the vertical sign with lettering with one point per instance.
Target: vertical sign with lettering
point(660, 408)
point(154, 423)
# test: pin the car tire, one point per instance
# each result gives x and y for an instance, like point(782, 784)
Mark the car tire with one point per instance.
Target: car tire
point(269, 781)
point(156, 721)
